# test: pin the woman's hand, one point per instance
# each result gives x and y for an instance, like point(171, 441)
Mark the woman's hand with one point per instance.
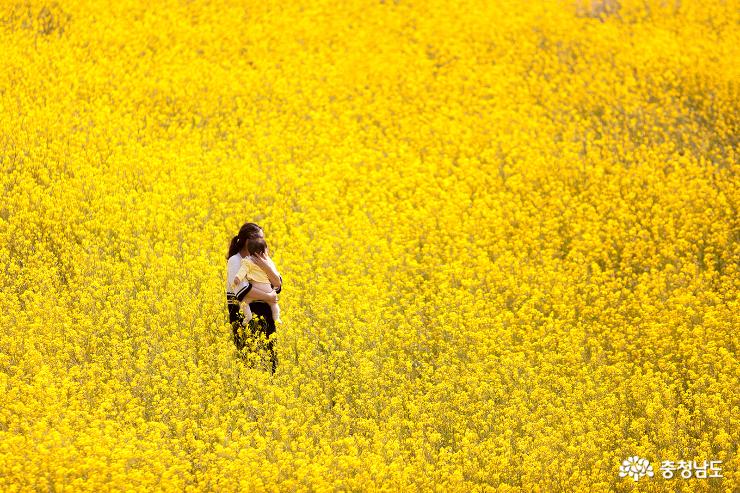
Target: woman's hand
point(262, 260)
point(265, 263)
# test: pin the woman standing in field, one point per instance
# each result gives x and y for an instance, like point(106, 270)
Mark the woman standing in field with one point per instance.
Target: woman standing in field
point(243, 290)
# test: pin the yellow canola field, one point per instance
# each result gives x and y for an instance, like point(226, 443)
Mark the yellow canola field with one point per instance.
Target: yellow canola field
point(508, 233)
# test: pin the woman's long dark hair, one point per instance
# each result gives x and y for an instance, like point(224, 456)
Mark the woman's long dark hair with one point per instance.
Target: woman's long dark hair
point(247, 231)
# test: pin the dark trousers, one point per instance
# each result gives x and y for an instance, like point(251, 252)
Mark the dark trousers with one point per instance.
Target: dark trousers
point(254, 328)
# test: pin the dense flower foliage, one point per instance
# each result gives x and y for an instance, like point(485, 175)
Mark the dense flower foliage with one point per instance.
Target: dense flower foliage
point(508, 233)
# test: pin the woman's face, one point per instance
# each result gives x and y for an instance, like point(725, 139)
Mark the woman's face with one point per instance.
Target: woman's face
point(258, 234)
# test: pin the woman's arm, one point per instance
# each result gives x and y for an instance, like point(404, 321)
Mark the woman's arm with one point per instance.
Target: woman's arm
point(257, 294)
point(267, 265)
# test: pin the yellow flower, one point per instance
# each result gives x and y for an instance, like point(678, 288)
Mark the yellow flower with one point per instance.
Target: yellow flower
point(506, 234)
